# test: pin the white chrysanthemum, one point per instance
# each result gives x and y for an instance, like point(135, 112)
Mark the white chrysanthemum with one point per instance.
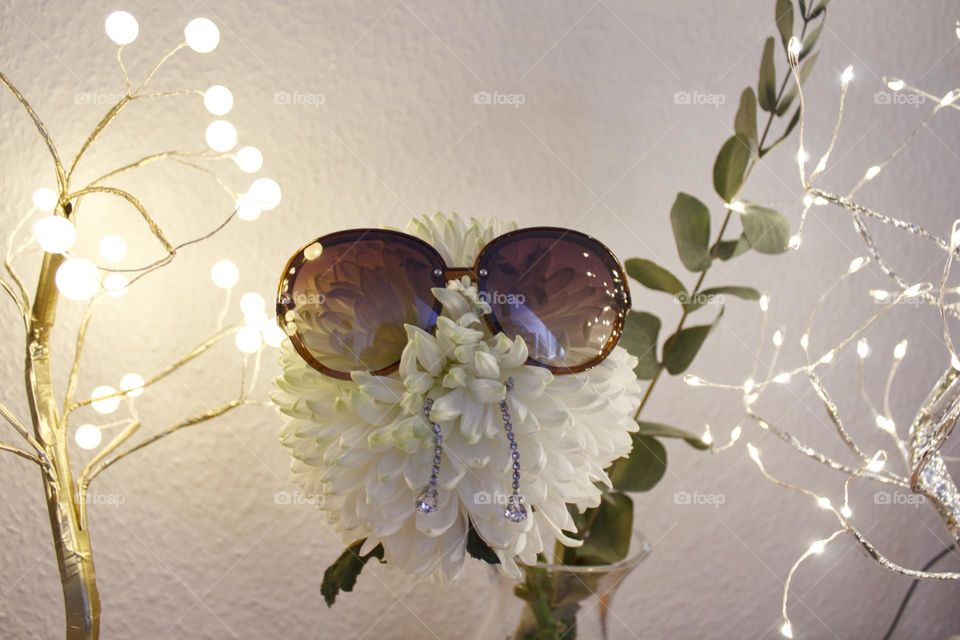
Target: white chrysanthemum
point(363, 448)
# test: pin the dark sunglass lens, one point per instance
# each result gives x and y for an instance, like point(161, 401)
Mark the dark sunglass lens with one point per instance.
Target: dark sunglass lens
point(562, 292)
point(349, 295)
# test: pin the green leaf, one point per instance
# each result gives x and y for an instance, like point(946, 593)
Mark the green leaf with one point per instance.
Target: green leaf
point(786, 133)
point(820, 8)
point(730, 167)
point(643, 468)
point(690, 220)
point(767, 231)
point(658, 430)
point(653, 276)
point(640, 334)
point(745, 124)
point(810, 42)
point(342, 574)
point(804, 72)
point(727, 249)
point(784, 18)
point(479, 549)
point(803, 7)
point(767, 84)
point(608, 540)
point(705, 296)
point(680, 349)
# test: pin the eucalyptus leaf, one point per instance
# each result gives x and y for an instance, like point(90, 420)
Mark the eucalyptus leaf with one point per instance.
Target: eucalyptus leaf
point(681, 348)
point(820, 8)
point(767, 84)
point(658, 430)
point(342, 574)
point(768, 231)
point(644, 468)
point(810, 42)
point(640, 334)
point(690, 220)
point(745, 124)
point(727, 249)
point(705, 296)
point(608, 540)
point(731, 166)
point(653, 276)
point(786, 132)
point(784, 18)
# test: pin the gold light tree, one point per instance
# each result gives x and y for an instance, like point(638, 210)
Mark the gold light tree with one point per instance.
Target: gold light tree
point(45, 431)
point(915, 462)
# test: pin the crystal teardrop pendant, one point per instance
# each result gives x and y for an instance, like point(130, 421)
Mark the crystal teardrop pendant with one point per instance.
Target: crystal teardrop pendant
point(427, 500)
point(516, 509)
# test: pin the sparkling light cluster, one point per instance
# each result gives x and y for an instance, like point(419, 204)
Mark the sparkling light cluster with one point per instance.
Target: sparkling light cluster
point(919, 467)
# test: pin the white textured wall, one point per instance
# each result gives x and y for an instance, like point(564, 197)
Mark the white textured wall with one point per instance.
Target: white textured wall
point(200, 549)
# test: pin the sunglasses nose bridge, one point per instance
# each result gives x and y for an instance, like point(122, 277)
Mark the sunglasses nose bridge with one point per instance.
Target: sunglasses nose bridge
point(455, 273)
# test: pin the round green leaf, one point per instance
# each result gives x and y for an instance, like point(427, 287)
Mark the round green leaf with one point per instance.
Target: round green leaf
point(690, 220)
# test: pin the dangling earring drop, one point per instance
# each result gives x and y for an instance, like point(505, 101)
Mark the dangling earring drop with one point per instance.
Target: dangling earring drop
point(427, 500)
point(516, 509)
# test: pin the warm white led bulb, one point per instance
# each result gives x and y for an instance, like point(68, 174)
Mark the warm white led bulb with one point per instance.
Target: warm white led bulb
point(886, 424)
point(132, 383)
point(900, 350)
point(794, 46)
point(88, 436)
point(116, 285)
point(948, 99)
point(121, 27)
point(707, 437)
point(249, 159)
point(846, 511)
point(872, 172)
point(221, 136)
point(795, 242)
point(273, 335)
point(248, 340)
point(225, 274)
point(828, 357)
point(778, 338)
point(879, 295)
point(105, 399)
point(955, 361)
point(805, 341)
point(786, 630)
point(735, 434)
point(847, 75)
point(753, 452)
point(113, 248)
point(895, 85)
point(824, 503)
point(818, 546)
point(218, 100)
point(693, 381)
point(54, 234)
point(78, 279)
point(247, 209)
point(877, 461)
point(802, 157)
point(782, 378)
point(265, 193)
point(764, 302)
point(252, 303)
point(748, 385)
point(45, 199)
point(202, 35)
point(856, 264)
point(863, 348)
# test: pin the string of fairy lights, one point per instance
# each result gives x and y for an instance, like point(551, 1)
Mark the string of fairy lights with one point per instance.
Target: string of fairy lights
point(914, 451)
point(85, 280)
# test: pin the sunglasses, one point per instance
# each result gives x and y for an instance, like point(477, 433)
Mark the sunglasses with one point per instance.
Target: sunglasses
point(344, 298)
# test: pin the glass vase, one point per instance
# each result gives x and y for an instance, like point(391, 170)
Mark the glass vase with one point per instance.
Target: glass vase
point(562, 602)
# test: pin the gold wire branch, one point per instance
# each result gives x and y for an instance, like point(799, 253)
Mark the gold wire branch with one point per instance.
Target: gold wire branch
point(41, 128)
point(150, 159)
point(72, 378)
point(135, 203)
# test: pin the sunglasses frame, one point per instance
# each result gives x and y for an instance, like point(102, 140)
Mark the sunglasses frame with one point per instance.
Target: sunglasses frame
point(285, 304)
